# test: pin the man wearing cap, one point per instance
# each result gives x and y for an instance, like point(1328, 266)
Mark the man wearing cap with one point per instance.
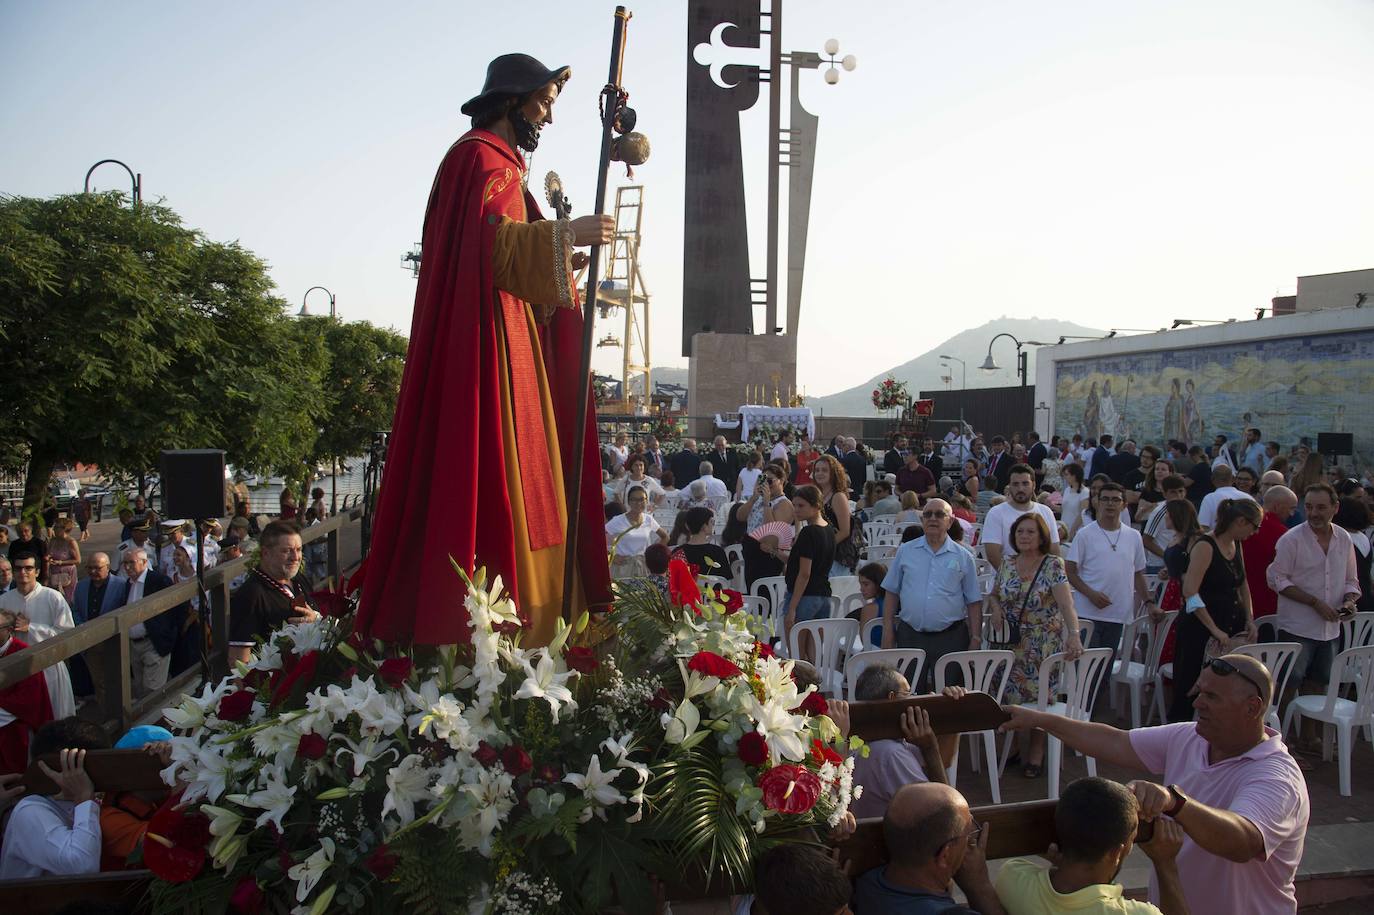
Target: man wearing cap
point(175, 532)
point(492, 386)
point(138, 537)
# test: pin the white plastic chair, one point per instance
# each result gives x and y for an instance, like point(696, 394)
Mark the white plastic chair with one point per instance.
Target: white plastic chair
point(841, 586)
point(1078, 682)
point(882, 553)
point(1085, 631)
point(772, 589)
point(1277, 658)
point(1267, 628)
point(877, 531)
point(1137, 676)
point(899, 658)
point(1347, 716)
point(713, 581)
point(984, 671)
point(829, 638)
point(1358, 631)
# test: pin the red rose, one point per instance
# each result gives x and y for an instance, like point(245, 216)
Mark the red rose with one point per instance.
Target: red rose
point(733, 600)
point(581, 659)
point(311, 746)
point(174, 844)
point(486, 754)
point(394, 671)
point(236, 706)
point(813, 704)
point(331, 603)
point(764, 649)
point(516, 760)
point(713, 665)
point(549, 772)
point(753, 749)
point(381, 862)
point(682, 584)
point(823, 754)
point(301, 670)
point(790, 789)
point(662, 700)
point(247, 897)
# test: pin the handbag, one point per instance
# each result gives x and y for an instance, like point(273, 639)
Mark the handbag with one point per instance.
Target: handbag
point(1008, 636)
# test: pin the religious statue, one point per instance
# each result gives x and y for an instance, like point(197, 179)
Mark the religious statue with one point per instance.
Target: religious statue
point(483, 437)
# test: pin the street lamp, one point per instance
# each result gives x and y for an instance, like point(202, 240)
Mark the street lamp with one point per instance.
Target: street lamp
point(963, 368)
point(305, 312)
point(137, 179)
point(991, 366)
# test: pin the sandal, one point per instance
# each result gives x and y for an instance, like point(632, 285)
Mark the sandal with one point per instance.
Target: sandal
point(1031, 770)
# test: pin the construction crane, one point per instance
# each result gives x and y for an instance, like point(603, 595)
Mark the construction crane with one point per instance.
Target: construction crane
point(623, 288)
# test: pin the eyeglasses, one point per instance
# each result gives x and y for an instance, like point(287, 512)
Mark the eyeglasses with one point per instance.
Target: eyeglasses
point(1225, 668)
point(934, 514)
point(970, 837)
point(28, 568)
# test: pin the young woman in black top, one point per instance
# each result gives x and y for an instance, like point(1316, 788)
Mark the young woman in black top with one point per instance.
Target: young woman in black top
point(808, 562)
point(691, 539)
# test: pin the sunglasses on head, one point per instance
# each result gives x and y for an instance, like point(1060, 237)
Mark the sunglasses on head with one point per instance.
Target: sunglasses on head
point(1225, 668)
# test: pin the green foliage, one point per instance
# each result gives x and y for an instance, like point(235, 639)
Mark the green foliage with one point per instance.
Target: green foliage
point(429, 872)
point(361, 382)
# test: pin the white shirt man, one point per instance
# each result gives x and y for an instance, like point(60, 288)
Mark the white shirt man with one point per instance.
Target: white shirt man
point(1105, 563)
point(1207, 513)
point(166, 561)
point(715, 489)
point(52, 836)
point(957, 448)
point(48, 614)
point(996, 536)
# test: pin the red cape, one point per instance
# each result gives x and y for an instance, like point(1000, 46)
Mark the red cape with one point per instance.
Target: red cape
point(27, 701)
point(445, 491)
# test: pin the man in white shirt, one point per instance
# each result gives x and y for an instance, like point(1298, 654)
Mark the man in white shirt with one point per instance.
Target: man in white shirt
point(138, 537)
point(57, 836)
point(1222, 479)
point(46, 613)
point(175, 531)
point(958, 444)
point(1105, 563)
point(1020, 493)
point(715, 488)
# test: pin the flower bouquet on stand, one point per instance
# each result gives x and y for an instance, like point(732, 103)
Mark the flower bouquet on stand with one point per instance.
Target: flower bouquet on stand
point(337, 774)
point(891, 394)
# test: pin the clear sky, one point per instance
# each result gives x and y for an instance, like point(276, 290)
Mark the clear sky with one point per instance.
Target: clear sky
point(1107, 163)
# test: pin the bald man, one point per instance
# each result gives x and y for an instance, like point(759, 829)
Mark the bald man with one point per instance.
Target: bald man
point(1228, 780)
point(932, 842)
point(1279, 504)
point(1269, 479)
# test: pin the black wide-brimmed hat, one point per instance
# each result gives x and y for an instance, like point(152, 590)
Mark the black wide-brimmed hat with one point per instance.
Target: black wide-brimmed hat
point(514, 75)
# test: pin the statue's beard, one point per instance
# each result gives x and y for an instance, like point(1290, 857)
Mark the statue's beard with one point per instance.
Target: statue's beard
point(526, 133)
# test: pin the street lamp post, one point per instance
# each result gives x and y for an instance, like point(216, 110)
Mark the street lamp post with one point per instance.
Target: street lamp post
point(991, 366)
point(963, 368)
point(137, 179)
point(305, 312)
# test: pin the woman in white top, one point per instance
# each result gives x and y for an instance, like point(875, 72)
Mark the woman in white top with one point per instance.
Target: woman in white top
point(1075, 496)
point(635, 476)
point(619, 451)
point(631, 534)
point(748, 479)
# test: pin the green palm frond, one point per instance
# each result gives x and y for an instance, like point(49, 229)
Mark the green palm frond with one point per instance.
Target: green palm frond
point(697, 817)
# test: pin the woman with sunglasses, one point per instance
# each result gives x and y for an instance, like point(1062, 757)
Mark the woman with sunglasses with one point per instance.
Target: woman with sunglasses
point(1217, 614)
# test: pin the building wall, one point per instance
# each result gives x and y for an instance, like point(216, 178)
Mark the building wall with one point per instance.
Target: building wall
point(1293, 377)
point(1335, 290)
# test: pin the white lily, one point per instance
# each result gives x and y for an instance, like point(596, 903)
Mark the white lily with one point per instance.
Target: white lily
point(776, 723)
point(543, 681)
point(223, 822)
point(491, 793)
point(209, 776)
point(407, 784)
point(682, 723)
point(308, 872)
point(274, 797)
point(365, 751)
point(596, 786)
point(443, 714)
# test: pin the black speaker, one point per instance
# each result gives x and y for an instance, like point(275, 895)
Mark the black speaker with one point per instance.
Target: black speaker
point(1338, 443)
point(193, 483)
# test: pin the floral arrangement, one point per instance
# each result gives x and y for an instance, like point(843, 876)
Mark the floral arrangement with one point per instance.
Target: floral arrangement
point(337, 774)
point(763, 436)
point(891, 394)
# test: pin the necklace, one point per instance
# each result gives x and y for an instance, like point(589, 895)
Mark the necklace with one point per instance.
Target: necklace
point(1110, 542)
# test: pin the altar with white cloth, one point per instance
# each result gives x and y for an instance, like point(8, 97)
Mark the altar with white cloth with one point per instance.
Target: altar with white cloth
point(753, 415)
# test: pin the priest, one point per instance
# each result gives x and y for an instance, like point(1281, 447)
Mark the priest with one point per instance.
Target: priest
point(24, 706)
point(482, 444)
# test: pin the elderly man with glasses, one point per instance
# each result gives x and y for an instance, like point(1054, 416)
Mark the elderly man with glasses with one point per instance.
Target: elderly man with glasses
point(1227, 780)
point(933, 597)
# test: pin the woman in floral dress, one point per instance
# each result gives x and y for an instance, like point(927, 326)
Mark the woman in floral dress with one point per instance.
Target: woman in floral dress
point(63, 558)
point(1032, 589)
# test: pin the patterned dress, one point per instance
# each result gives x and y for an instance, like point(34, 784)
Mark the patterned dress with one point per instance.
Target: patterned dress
point(1042, 625)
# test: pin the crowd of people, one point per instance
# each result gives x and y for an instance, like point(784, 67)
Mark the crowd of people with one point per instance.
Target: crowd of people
point(1075, 542)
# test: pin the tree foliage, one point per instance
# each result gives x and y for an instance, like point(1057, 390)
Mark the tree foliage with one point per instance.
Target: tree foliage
point(132, 334)
point(361, 382)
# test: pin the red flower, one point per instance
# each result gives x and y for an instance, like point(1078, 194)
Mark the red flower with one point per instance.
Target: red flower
point(662, 700)
point(301, 670)
point(682, 584)
point(381, 862)
point(311, 746)
point(764, 650)
point(581, 659)
point(486, 754)
point(549, 772)
point(331, 603)
point(733, 600)
point(174, 845)
point(247, 897)
point(823, 754)
point(516, 760)
point(236, 706)
point(753, 749)
point(813, 704)
point(713, 665)
point(394, 671)
point(790, 789)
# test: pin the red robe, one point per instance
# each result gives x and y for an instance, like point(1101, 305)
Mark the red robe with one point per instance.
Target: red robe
point(476, 401)
point(28, 702)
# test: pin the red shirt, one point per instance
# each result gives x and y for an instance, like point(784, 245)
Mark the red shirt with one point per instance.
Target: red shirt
point(804, 461)
point(1259, 552)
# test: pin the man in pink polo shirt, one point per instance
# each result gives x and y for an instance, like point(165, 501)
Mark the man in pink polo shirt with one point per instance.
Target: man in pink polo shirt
point(1227, 780)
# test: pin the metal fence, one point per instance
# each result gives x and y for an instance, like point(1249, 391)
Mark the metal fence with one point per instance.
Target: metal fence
point(107, 636)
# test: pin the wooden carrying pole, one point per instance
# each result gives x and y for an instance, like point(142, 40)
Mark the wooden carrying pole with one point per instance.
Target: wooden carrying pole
point(610, 108)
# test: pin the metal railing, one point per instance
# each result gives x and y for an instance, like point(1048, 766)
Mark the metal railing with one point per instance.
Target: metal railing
point(107, 636)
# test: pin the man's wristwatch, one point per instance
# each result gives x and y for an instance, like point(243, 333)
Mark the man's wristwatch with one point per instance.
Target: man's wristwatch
point(1179, 800)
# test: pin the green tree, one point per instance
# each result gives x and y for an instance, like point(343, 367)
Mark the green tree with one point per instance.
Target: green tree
point(133, 334)
point(361, 383)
